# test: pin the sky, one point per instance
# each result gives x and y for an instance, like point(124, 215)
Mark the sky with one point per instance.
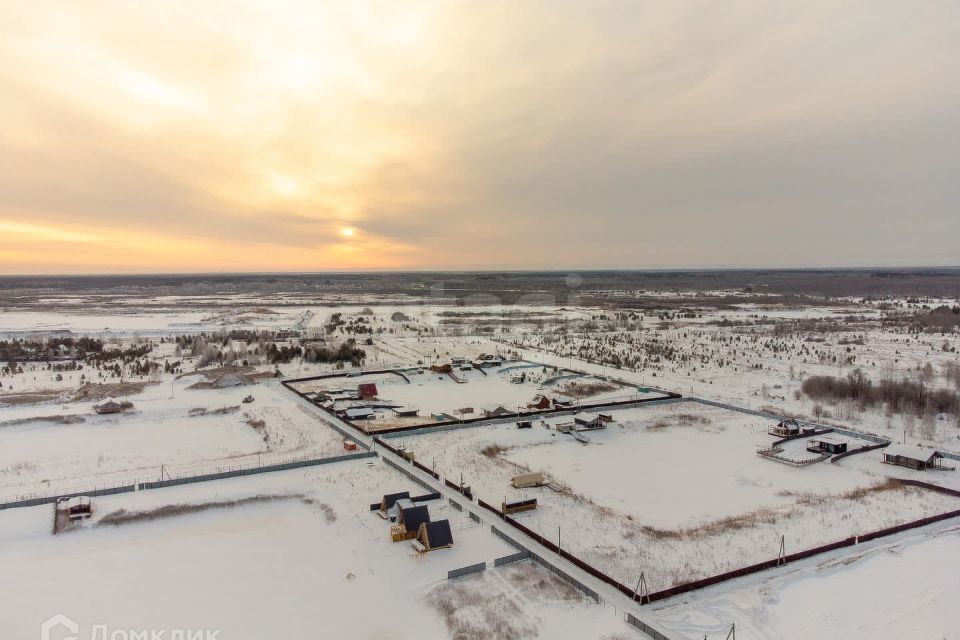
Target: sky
point(345, 135)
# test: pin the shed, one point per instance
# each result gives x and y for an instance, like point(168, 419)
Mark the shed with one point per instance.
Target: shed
point(435, 535)
point(527, 480)
point(366, 390)
point(918, 458)
point(516, 506)
point(407, 412)
point(563, 401)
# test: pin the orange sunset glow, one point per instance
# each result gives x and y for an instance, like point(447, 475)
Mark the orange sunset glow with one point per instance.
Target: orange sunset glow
point(222, 136)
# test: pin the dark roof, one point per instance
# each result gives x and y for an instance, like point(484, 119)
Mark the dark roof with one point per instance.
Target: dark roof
point(439, 534)
point(391, 498)
point(413, 517)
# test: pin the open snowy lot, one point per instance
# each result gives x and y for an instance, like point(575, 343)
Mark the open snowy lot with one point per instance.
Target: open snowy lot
point(902, 589)
point(676, 490)
point(50, 445)
point(281, 555)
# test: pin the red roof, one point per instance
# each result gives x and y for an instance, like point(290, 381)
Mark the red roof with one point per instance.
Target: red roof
point(367, 390)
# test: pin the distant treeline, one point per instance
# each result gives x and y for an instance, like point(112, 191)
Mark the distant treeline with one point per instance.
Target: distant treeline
point(899, 396)
point(25, 350)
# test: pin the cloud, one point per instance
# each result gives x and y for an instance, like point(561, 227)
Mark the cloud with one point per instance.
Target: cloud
point(542, 134)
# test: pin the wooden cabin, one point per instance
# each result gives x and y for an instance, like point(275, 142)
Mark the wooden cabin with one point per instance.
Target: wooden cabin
point(409, 519)
point(435, 535)
point(919, 458)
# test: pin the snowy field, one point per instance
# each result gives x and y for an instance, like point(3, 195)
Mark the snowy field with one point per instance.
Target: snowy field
point(281, 555)
point(63, 445)
point(903, 589)
point(676, 491)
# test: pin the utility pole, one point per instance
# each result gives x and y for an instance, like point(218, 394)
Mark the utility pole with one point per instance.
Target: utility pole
point(641, 588)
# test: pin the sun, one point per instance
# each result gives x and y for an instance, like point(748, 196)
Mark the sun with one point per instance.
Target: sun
point(347, 232)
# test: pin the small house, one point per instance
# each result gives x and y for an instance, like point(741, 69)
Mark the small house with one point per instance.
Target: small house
point(785, 429)
point(563, 401)
point(586, 420)
point(76, 508)
point(359, 413)
point(524, 424)
point(391, 499)
point(496, 411)
point(528, 480)
point(108, 405)
point(349, 445)
point(826, 444)
point(539, 401)
point(366, 390)
point(435, 535)
point(406, 412)
point(409, 519)
point(919, 458)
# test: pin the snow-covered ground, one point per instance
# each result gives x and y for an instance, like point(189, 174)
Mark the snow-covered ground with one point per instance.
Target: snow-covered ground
point(113, 449)
point(676, 491)
point(281, 555)
point(902, 589)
